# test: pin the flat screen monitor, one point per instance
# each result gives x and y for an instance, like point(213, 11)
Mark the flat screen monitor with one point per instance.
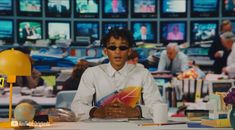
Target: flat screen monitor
point(106, 26)
point(115, 8)
point(173, 8)
point(144, 8)
point(205, 8)
point(86, 29)
point(173, 31)
point(228, 8)
point(32, 8)
point(29, 30)
point(58, 30)
point(86, 8)
point(58, 8)
point(144, 31)
point(6, 7)
point(6, 30)
point(203, 32)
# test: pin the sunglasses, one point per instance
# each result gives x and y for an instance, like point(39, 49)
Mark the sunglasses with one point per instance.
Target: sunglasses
point(121, 48)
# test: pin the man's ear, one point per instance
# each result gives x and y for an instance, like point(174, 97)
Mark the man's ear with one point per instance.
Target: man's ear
point(105, 51)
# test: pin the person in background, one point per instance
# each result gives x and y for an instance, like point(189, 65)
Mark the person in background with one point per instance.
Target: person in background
point(173, 60)
point(175, 34)
point(29, 81)
point(217, 51)
point(72, 82)
point(98, 82)
point(144, 33)
point(133, 58)
point(228, 39)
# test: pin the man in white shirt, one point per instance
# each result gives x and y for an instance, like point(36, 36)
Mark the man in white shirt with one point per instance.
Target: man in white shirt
point(173, 60)
point(111, 78)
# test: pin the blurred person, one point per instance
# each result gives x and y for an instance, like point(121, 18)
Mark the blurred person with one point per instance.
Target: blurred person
point(28, 31)
point(173, 60)
point(133, 58)
point(100, 82)
point(217, 51)
point(144, 33)
point(117, 7)
point(175, 34)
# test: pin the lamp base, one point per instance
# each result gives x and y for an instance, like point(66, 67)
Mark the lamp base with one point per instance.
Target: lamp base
point(5, 125)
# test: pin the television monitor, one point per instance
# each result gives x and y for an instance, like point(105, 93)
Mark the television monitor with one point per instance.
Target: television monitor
point(6, 30)
point(144, 31)
point(106, 26)
point(32, 8)
point(58, 30)
point(173, 8)
point(86, 29)
point(58, 8)
point(228, 8)
point(233, 25)
point(115, 8)
point(144, 8)
point(203, 32)
point(205, 8)
point(6, 7)
point(29, 30)
point(86, 8)
point(173, 31)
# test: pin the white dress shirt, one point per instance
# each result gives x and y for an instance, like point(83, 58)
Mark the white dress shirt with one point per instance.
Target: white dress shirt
point(104, 79)
point(231, 62)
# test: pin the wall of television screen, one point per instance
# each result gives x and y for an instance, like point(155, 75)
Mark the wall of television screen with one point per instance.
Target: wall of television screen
point(196, 20)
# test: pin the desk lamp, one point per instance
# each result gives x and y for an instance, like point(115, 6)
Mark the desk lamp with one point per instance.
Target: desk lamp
point(13, 63)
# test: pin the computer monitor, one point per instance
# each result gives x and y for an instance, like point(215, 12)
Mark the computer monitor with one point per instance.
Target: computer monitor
point(144, 31)
point(86, 29)
point(228, 8)
point(114, 8)
point(173, 8)
point(32, 8)
point(220, 86)
point(205, 8)
point(29, 30)
point(203, 32)
point(58, 8)
point(144, 8)
point(233, 24)
point(58, 30)
point(7, 30)
point(173, 31)
point(86, 8)
point(6, 7)
point(106, 26)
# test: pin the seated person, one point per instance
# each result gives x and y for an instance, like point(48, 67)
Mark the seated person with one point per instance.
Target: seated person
point(108, 85)
point(133, 58)
point(173, 60)
point(29, 81)
point(72, 82)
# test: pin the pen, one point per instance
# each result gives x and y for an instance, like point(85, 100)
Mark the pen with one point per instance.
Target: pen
point(162, 124)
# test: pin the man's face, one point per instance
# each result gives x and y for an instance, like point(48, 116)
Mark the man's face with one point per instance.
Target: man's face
point(118, 56)
point(115, 3)
point(171, 53)
point(143, 30)
point(227, 43)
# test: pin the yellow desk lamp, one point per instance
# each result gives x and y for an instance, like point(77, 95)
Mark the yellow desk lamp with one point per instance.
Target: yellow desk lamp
point(13, 63)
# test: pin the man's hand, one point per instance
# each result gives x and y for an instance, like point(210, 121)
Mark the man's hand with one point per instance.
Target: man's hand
point(219, 54)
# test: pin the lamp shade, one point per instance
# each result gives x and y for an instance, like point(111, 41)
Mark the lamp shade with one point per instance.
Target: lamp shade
point(13, 62)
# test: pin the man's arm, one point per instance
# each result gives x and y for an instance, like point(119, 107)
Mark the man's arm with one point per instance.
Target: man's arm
point(162, 62)
point(184, 62)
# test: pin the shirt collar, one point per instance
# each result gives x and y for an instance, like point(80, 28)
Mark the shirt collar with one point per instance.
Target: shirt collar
point(111, 71)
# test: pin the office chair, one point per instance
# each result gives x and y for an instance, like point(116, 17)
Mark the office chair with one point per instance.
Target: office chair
point(64, 99)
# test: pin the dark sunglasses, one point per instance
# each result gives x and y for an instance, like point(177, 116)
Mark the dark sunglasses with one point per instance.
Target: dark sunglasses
point(122, 48)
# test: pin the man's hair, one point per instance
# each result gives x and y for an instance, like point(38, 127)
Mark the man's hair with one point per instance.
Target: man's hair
point(224, 23)
point(173, 45)
point(228, 36)
point(133, 55)
point(125, 34)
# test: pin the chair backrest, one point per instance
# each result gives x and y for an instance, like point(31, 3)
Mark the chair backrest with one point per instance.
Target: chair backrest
point(65, 98)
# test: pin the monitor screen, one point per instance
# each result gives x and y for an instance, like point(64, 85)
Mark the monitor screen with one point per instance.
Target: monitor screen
point(6, 7)
point(86, 29)
point(115, 8)
point(106, 26)
point(197, 51)
point(58, 30)
point(173, 31)
point(144, 8)
point(173, 8)
point(144, 31)
point(204, 8)
point(228, 7)
point(233, 25)
point(6, 30)
point(29, 30)
point(29, 8)
point(203, 31)
point(58, 8)
point(86, 9)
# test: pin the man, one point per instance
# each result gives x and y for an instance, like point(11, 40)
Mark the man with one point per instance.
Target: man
point(217, 51)
point(228, 39)
point(175, 34)
point(133, 58)
point(99, 82)
point(144, 35)
point(173, 60)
